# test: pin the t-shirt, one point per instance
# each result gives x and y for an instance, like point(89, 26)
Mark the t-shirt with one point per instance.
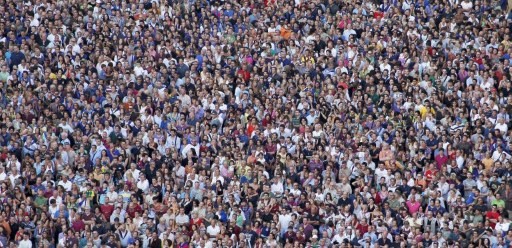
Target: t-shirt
point(213, 230)
point(498, 203)
point(284, 220)
point(182, 219)
point(413, 207)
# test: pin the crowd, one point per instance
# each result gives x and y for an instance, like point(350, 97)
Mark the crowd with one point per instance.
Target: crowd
point(255, 123)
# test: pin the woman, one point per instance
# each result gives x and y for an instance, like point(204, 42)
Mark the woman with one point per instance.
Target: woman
point(271, 241)
point(451, 199)
point(329, 200)
point(195, 220)
point(130, 225)
point(420, 181)
point(383, 193)
point(182, 241)
point(218, 189)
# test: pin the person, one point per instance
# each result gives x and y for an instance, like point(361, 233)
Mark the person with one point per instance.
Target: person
point(25, 242)
point(154, 241)
point(255, 121)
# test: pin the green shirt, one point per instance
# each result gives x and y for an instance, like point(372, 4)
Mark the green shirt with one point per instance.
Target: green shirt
point(4, 76)
point(498, 203)
point(240, 221)
point(40, 201)
point(296, 121)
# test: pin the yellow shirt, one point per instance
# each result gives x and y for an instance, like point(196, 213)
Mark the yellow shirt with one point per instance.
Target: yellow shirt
point(424, 111)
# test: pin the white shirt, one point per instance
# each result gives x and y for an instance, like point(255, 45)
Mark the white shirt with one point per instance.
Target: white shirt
point(295, 192)
point(182, 219)
point(466, 5)
point(381, 173)
point(213, 230)
point(135, 174)
point(13, 179)
point(173, 142)
point(502, 127)
point(124, 237)
point(180, 172)
point(25, 244)
point(67, 185)
point(503, 227)
point(188, 148)
point(217, 178)
point(112, 195)
point(164, 236)
point(143, 185)
point(284, 220)
point(277, 188)
point(496, 155)
point(53, 210)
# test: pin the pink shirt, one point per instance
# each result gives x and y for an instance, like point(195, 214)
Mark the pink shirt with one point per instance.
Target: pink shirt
point(413, 207)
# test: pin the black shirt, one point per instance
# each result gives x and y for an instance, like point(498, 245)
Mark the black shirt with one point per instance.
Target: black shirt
point(384, 241)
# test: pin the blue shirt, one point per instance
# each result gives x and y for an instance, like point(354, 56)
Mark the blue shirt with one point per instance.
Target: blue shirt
point(471, 198)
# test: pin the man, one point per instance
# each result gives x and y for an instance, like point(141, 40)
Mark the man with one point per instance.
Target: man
point(284, 219)
point(412, 205)
point(502, 226)
point(492, 216)
point(385, 239)
point(173, 140)
point(124, 235)
point(143, 183)
point(65, 183)
point(107, 209)
point(498, 202)
point(118, 214)
point(430, 224)
point(154, 241)
point(469, 183)
point(182, 218)
point(213, 229)
point(25, 242)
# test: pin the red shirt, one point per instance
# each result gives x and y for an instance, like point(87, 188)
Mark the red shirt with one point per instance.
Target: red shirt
point(196, 222)
point(362, 228)
point(378, 15)
point(441, 160)
point(107, 210)
point(250, 129)
point(430, 174)
point(492, 215)
point(131, 211)
point(266, 122)
point(246, 76)
point(78, 225)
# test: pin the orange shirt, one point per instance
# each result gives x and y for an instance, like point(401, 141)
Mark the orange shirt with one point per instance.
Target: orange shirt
point(488, 163)
point(7, 227)
point(286, 33)
point(421, 183)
